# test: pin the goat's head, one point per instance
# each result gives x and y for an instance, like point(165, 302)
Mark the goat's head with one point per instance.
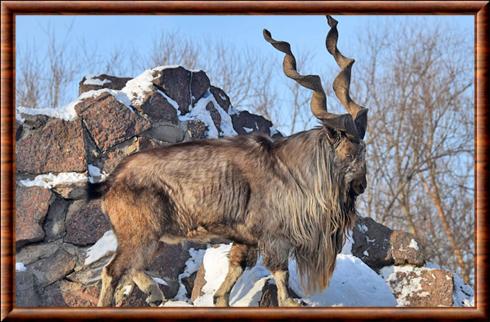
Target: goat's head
point(344, 132)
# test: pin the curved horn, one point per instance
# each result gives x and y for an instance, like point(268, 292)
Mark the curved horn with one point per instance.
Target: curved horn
point(341, 83)
point(318, 102)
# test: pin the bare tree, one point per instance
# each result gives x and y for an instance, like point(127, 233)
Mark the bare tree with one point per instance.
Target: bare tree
point(417, 82)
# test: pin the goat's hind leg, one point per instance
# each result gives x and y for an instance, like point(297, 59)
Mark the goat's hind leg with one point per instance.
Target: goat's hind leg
point(237, 263)
point(111, 276)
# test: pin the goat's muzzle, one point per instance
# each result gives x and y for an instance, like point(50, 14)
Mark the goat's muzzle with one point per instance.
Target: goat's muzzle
point(358, 186)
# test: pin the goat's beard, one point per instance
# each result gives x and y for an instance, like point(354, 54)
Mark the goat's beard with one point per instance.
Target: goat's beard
point(319, 227)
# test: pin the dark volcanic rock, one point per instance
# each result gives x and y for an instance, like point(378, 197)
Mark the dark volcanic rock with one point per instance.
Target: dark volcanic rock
point(61, 140)
point(26, 293)
point(183, 86)
point(32, 205)
point(215, 116)
point(53, 268)
point(110, 122)
point(168, 264)
point(378, 246)
point(102, 81)
point(65, 293)
point(159, 109)
point(221, 97)
point(245, 122)
point(85, 223)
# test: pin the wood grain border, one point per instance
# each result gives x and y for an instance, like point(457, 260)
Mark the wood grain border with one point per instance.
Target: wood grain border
point(9, 9)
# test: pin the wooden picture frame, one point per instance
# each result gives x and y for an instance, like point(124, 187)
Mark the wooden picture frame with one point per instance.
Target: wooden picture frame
point(9, 9)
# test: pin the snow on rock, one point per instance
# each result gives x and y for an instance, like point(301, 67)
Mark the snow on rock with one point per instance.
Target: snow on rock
point(92, 80)
point(199, 112)
point(353, 283)
point(191, 266)
point(51, 180)
point(347, 248)
point(463, 294)
point(106, 245)
point(420, 286)
point(20, 267)
point(215, 262)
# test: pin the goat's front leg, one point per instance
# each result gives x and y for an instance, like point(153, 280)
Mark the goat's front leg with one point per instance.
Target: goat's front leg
point(237, 263)
point(283, 298)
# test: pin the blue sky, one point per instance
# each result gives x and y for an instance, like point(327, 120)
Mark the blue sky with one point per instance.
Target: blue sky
point(101, 34)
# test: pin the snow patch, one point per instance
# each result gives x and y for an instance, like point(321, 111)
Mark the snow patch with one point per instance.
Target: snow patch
point(137, 89)
point(91, 80)
point(248, 130)
point(347, 248)
point(191, 266)
point(463, 294)
point(413, 244)
point(51, 180)
point(353, 283)
point(20, 267)
point(215, 262)
point(95, 174)
point(158, 280)
point(199, 112)
point(106, 245)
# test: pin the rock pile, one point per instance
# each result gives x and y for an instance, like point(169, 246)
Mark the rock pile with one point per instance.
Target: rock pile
point(58, 150)
point(63, 241)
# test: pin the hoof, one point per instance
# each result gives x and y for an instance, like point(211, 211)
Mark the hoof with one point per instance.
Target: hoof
point(155, 298)
point(221, 301)
point(292, 302)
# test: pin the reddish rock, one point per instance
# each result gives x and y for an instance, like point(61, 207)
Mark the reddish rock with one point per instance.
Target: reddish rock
point(65, 293)
point(405, 249)
point(220, 97)
point(196, 130)
point(32, 205)
point(61, 140)
point(85, 223)
point(111, 122)
point(113, 157)
point(245, 123)
point(102, 81)
point(159, 109)
point(414, 286)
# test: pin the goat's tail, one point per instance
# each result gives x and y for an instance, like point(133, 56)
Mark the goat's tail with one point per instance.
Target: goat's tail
point(97, 190)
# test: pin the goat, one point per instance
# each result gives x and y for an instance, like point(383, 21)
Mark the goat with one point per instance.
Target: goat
point(293, 196)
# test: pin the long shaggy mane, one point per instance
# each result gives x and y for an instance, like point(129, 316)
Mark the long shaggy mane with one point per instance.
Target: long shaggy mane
point(319, 211)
